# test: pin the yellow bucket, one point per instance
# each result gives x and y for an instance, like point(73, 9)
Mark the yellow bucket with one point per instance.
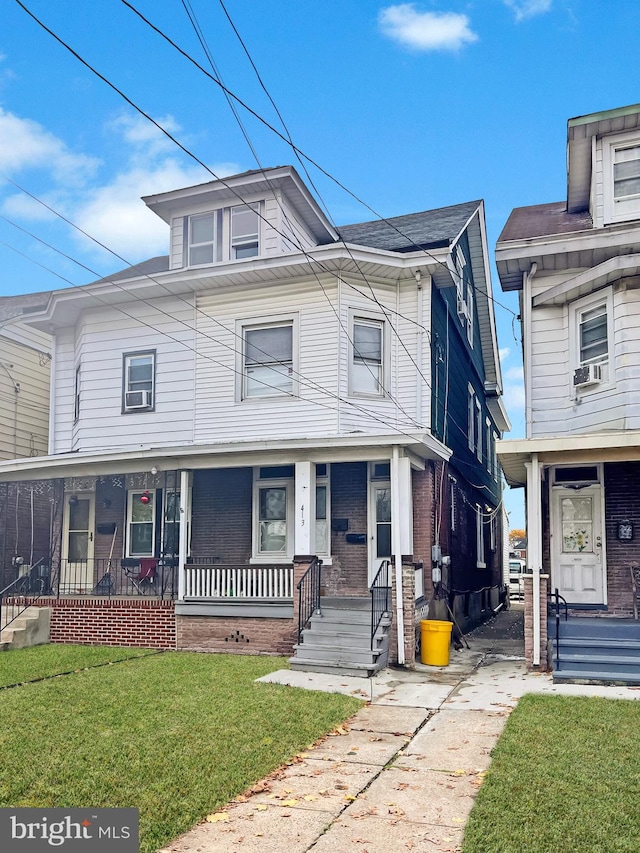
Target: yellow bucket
point(435, 642)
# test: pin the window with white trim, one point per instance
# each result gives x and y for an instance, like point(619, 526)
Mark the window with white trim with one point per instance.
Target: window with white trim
point(141, 523)
point(367, 363)
point(273, 513)
point(478, 429)
point(621, 180)
point(480, 560)
point(323, 513)
point(488, 443)
point(594, 343)
point(231, 233)
point(139, 376)
point(268, 360)
point(452, 501)
point(471, 417)
point(591, 334)
point(464, 294)
point(495, 457)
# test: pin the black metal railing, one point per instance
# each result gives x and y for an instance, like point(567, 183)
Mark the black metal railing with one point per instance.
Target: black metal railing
point(556, 604)
point(309, 595)
point(23, 592)
point(380, 591)
point(105, 578)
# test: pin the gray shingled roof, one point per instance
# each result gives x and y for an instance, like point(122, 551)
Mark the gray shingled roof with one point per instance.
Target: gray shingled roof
point(150, 267)
point(11, 307)
point(544, 220)
point(429, 229)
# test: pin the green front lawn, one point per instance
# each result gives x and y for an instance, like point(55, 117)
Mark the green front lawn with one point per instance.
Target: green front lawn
point(565, 778)
point(176, 735)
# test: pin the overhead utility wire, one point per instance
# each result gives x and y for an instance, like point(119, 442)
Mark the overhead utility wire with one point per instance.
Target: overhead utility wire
point(169, 136)
point(200, 35)
point(307, 383)
point(284, 138)
point(178, 143)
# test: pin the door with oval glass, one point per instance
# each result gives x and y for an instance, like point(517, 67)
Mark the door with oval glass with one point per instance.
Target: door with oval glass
point(379, 525)
point(577, 560)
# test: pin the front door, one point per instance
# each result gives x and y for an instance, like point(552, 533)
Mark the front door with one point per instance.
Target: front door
point(77, 544)
point(379, 526)
point(577, 562)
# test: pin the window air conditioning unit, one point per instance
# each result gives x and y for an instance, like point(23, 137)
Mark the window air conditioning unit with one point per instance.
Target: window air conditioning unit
point(588, 374)
point(463, 310)
point(137, 400)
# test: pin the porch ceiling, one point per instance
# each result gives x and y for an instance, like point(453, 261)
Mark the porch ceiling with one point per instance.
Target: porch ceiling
point(569, 449)
point(234, 454)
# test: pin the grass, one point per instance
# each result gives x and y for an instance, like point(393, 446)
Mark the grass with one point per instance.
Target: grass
point(565, 777)
point(38, 662)
point(176, 735)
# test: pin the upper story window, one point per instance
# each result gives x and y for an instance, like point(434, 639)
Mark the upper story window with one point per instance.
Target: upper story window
point(245, 227)
point(590, 332)
point(621, 185)
point(76, 395)
point(138, 381)
point(232, 233)
point(464, 294)
point(366, 373)
point(268, 356)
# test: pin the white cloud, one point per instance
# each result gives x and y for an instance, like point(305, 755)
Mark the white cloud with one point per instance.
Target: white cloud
point(523, 9)
point(109, 209)
point(425, 30)
point(25, 144)
point(513, 395)
point(503, 353)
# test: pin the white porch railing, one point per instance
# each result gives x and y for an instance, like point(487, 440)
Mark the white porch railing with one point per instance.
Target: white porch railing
point(263, 582)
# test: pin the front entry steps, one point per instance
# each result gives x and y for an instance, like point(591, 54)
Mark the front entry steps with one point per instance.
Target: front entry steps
point(339, 641)
point(596, 650)
point(30, 628)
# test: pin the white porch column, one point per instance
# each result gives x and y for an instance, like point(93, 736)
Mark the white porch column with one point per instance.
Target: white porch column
point(304, 538)
point(534, 544)
point(183, 537)
point(401, 533)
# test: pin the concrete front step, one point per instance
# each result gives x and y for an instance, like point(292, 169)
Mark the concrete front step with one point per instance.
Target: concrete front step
point(600, 663)
point(594, 676)
point(338, 653)
point(584, 627)
point(31, 628)
point(335, 667)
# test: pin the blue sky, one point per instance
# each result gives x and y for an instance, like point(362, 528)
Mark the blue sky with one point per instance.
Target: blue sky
point(411, 106)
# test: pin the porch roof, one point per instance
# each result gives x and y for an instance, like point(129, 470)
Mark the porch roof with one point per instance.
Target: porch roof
point(418, 446)
point(566, 449)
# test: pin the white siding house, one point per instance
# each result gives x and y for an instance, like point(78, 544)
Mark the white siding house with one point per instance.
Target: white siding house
point(576, 265)
point(262, 398)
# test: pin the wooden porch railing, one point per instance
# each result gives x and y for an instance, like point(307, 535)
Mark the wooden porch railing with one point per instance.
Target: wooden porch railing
point(262, 582)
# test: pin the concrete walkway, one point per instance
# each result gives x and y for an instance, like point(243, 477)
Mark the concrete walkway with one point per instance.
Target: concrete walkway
point(403, 773)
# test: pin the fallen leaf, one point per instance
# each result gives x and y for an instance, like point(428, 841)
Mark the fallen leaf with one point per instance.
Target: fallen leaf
point(290, 803)
point(261, 808)
point(349, 797)
point(217, 818)
point(309, 798)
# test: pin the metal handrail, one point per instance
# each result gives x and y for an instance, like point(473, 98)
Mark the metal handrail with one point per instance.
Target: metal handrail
point(309, 595)
point(21, 587)
point(380, 592)
point(557, 597)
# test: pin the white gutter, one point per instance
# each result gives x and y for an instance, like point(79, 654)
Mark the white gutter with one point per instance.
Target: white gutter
point(396, 548)
point(527, 302)
point(420, 334)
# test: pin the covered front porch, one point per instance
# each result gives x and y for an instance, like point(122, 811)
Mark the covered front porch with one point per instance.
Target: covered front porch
point(583, 526)
point(223, 543)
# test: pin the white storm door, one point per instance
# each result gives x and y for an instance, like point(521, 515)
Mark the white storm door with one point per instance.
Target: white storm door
point(577, 561)
point(379, 526)
point(77, 544)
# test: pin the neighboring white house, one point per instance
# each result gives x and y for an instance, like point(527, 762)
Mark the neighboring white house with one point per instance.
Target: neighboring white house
point(274, 389)
point(576, 265)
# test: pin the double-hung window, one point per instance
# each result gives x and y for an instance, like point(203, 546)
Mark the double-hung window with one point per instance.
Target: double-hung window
point(205, 238)
point(139, 380)
point(590, 333)
point(367, 357)
point(480, 559)
point(621, 185)
point(141, 523)
point(268, 356)
point(245, 227)
point(594, 346)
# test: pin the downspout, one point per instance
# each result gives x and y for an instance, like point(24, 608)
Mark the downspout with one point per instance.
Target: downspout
point(527, 303)
point(419, 309)
point(395, 547)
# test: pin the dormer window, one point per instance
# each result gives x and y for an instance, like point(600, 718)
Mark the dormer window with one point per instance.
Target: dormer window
point(232, 233)
point(245, 227)
point(621, 156)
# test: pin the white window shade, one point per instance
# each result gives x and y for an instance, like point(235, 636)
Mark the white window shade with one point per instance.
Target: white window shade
point(268, 360)
point(366, 377)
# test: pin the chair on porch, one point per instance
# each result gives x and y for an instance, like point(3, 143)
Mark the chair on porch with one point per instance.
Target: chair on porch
point(635, 587)
point(141, 572)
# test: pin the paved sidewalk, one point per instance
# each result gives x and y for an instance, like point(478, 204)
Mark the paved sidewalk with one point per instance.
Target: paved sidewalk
point(403, 773)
